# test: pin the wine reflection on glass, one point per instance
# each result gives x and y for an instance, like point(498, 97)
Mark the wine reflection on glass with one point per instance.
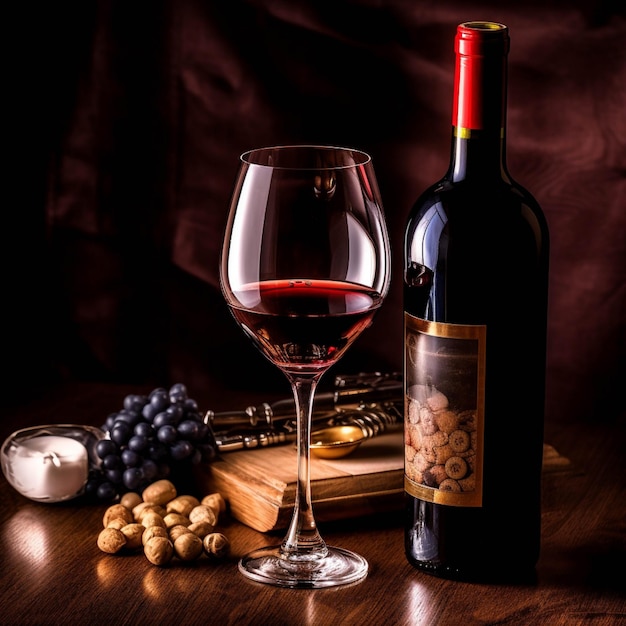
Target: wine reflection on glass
point(305, 266)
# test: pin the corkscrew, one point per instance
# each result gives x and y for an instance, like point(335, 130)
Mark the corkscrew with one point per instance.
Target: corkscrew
point(370, 400)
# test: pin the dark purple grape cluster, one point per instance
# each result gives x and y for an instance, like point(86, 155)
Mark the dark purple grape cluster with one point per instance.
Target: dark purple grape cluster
point(146, 439)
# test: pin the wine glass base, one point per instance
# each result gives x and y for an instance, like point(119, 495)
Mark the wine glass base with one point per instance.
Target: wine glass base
point(339, 567)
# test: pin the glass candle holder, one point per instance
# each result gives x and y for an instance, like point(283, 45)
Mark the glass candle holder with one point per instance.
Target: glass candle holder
point(50, 463)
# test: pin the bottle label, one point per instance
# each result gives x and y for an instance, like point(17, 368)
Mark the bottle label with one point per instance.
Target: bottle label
point(444, 411)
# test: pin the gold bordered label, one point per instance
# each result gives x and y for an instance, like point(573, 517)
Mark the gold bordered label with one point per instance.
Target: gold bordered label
point(444, 411)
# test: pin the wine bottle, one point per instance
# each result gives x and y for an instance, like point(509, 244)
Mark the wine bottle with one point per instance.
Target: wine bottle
point(475, 312)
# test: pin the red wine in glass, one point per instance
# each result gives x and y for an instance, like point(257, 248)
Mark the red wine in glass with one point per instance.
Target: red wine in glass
point(305, 324)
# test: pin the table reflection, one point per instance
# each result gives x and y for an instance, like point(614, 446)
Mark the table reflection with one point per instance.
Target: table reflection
point(26, 537)
point(421, 601)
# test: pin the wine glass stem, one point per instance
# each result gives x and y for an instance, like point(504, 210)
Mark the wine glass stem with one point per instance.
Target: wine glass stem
point(303, 539)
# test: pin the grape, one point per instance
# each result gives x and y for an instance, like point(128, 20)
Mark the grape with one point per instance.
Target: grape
point(167, 434)
point(181, 450)
point(110, 420)
point(149, 411)
point(138, 443)
point(146, 438)
point(160, 399)
point(188, 429)
point(163, 418)
point(135, 402)
point(114, 475)
point(145, 429)
point(104, 447)
point(178, 393)
point(208, 452)
point(106, 491)
point(130, 458)
point(191, 405)
point(133, 478)
point(130, 417)
point(120, 432)
point(111, 462)
point(175, 412)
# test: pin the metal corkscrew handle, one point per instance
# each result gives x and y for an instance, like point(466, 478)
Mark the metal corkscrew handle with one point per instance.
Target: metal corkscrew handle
point(372, 421)
point(371, 401)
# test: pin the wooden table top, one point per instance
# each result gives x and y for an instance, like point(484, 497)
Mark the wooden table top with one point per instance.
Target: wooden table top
point(52, 572)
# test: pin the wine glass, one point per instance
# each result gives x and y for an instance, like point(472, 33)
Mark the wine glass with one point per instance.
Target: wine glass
point(305, 266)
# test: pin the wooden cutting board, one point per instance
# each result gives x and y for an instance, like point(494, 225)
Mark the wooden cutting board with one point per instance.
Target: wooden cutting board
point(259, 485)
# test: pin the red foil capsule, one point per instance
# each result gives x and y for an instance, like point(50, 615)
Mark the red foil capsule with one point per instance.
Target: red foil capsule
point(480, 71)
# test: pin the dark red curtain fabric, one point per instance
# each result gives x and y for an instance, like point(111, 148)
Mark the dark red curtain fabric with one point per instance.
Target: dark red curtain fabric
point(133, 116)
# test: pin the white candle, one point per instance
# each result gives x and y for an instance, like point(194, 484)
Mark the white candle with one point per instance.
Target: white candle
point(49, 467)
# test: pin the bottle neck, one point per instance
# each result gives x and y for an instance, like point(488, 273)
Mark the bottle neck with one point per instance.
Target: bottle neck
point(479, 105)
point(480, 155)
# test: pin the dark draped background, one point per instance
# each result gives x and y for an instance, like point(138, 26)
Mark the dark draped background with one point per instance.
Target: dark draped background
point(130, 118)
